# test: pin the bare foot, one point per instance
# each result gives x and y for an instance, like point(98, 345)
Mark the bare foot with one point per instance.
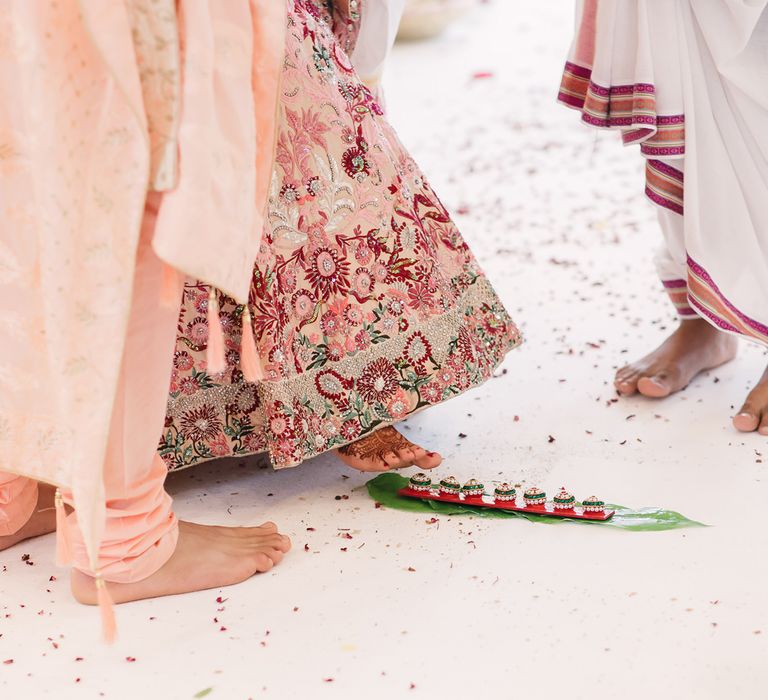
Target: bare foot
point(42, 522)
point(205, 557)
point(754, 413)
point(694, 347)
point(386, 449)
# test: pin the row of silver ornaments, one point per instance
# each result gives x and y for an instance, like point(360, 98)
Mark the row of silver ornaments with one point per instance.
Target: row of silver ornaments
point(533, 496)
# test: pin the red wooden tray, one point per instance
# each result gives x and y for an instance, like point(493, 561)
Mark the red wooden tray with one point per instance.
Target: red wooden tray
point(573, 513)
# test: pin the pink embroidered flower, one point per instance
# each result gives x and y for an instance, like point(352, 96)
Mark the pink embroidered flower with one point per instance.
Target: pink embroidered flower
point(463, 379)
point(330, 384)
point(417, 349)
point(378, 381)
point(362, 340)
point(354, 314)
point(254, 442)
point(197, 331)
point(397, 406)
point(279, 425)
point(331, 427)
point(330, 323)
point(201, 424)
point(328, 273)
point(289, 192)
point(363, 282)
point(200, 302)
point(303, 305)
point(288, 280)
point(432, 392)
point(354, 161)
point(284, 449)
point(446, 377)
point(380, 272)
point(182, 361)
point(314, 186)
point(350, 429)
point(363, 253)
point(219, 446)
point(188, 385)
point(420, 296)
point(335, 352)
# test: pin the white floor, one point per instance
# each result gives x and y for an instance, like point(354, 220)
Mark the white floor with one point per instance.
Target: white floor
point(461, 607)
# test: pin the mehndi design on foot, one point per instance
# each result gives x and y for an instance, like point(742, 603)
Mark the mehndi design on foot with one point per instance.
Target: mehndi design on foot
point(386, 449)
point(376, 445)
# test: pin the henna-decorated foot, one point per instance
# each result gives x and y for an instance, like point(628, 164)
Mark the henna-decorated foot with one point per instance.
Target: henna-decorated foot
point(386, 449)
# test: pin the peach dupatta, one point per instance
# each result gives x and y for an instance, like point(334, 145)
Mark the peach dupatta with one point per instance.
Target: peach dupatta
point(75, 168)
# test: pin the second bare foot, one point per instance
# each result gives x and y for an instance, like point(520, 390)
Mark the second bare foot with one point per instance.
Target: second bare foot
point(694, 347)
point(205, 557)
point(754, 413)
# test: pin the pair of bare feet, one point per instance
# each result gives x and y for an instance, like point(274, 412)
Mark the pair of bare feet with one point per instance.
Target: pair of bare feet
point(211, 557)
point(694, 347)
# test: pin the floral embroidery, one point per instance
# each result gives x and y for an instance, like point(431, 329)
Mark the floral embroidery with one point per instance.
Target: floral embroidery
point(366, 303)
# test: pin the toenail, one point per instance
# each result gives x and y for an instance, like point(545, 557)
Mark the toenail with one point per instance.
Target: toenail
point(745, 415)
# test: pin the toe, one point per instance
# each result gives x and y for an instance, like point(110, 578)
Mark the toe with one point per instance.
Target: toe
point(406, 457)
point(429, 460)
point(747, 419)
point(393, 461)
point(763, 429)
point(656, 386)
point(268, 526)
point(262, 562)
point(626, 381)
point(275, 555)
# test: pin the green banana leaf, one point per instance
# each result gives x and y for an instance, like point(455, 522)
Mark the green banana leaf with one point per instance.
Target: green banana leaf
point(383, 489)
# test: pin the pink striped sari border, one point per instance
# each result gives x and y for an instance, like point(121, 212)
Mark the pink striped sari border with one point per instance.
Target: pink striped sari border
point(759, 329)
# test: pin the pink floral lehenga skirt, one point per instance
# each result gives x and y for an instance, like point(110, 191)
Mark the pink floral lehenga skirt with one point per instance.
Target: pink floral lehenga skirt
point(366, 303)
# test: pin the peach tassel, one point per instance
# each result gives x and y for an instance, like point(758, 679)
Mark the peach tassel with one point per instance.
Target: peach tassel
point(63, 545)
point(217, 362)
point(250, 362)
point(107, 609)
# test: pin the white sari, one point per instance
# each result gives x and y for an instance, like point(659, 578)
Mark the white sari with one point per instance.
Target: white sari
point(687, 80)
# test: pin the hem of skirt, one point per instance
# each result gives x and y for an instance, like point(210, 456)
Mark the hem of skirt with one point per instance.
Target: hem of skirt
point(390, 423)
point(383, 424)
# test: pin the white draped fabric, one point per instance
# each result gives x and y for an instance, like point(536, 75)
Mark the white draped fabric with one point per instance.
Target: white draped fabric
point(688, 81)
